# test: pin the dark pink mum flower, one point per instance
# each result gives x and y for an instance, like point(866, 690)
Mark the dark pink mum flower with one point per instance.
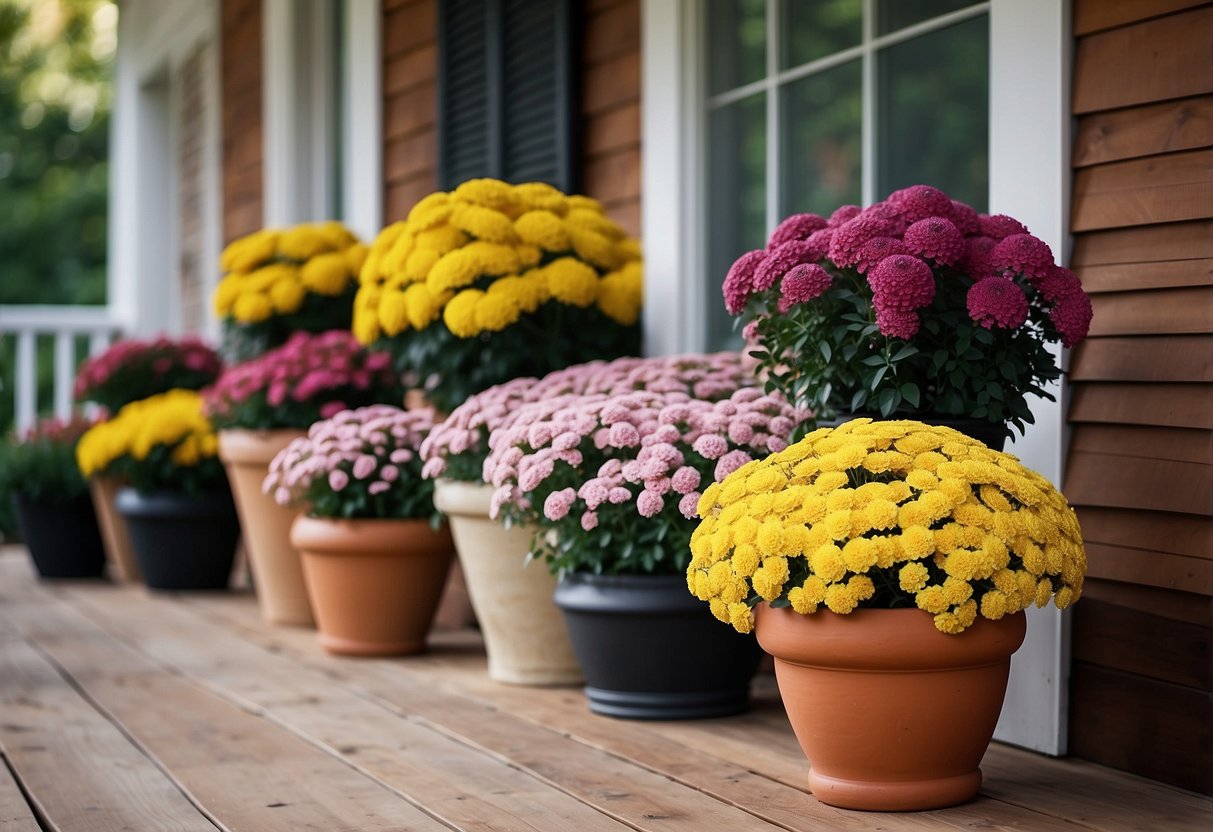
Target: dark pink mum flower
point(780, 260)
point(796, 227)
point(902, 282)
point(1000, 225)
point(996, 301)
point(877, 249)
point(897, 324)
point(1058, 283)
point(843, 214)
point(1072, 317)
point(1022, 253)
point(921, 201)
point(851, 235)
point(803, 283)
point(965, 218)
point(740, 280)
point(976, 262)
point(935, 239)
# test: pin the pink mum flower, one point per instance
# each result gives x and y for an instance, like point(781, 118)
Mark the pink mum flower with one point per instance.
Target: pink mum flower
point(935, 239)
point(730, 462)
point(649, 503)
point(689, 504)
point(1022, 253)
point(338, 480)
point(976, 262)
point(849, 238)
point(877, 249)
point(903, 283)
point(920, 201)
point(999, 226)
point(558, 503)
point(1057, 283)
point(589, 520)
point(739, 282)
point(803, 283)
point(780, 260)
point(364, 466)
point(964, 218)
point(1072, 317)
point(795, 227)
point(711, 446)
point(896, 323)
point(996, 301)
point(843, 214)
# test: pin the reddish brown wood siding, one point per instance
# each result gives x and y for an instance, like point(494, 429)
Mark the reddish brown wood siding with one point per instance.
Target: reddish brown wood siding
point(1140, 467)
point(609, 157)
point(241, 90)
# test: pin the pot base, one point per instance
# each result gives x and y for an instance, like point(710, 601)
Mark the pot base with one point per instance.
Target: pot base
point(624, 704)
point(543, 678)
point(341, 646)
point(908, 796)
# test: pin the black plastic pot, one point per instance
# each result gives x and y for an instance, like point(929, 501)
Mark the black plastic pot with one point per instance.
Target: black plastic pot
point(62, 537)
point(181, 541)
point(650, 650)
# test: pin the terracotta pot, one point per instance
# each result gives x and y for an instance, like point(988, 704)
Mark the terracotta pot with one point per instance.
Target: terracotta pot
point(524, 633)
point(374, 584)
point(276, 565)
point(892, 714)
point(114, 534)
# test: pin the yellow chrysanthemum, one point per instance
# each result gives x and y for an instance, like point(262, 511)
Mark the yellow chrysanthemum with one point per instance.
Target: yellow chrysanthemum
point(326, 274)
point(540, 196)
point(460, 313)
point(303, 242)
point(286, 296)
point(484, 224)
point(496, 311)
point(543, 229)
point(247, 253)
point(252, 307)
point(571, 281)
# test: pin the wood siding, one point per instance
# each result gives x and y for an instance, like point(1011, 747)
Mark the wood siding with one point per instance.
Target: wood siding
point(1140, 465)
point(609, 156)
point(242, 123)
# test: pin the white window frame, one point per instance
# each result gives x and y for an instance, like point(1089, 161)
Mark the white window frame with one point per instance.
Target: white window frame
point(1030, 58)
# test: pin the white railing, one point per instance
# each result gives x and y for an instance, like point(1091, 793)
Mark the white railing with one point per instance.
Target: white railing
point(66, 324)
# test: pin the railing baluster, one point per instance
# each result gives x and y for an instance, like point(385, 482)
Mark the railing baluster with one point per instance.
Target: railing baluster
point(65, 371)
point(27, 379)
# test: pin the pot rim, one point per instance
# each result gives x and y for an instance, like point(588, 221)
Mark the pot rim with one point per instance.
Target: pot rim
point(255, 445)
point(384, 536)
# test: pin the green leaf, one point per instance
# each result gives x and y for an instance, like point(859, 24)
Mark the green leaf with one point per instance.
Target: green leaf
point(887, 400)
point(878, 376)
point(909, 392)
point(905, 352)
point(874, 361)
point(826, 352)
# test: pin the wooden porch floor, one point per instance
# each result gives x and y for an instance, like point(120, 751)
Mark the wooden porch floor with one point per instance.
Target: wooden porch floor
point(124, 710)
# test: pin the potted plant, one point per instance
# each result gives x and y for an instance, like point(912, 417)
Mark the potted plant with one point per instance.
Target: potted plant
point(258, 408)
point(915, 305)
point(375, 555)
point(888, 563)
point(612, 482)
point(492, 282)
point(177, 507)
point(130, 370)
point(524, 634)
point(280, 281)
point(54, 510)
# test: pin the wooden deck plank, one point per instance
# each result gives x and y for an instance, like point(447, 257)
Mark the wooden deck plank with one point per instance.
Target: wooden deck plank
point(82, 773)
point(15, 813)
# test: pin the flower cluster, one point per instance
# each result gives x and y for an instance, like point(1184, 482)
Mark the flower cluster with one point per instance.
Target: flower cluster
point(278, 281)
point(457, 448)
point(494, 281)
point(886, 514)
point(914, 304)
point(617, 478)
point(310, 377)
point(41, 462)
point(161, 443)
point(131, 370)
point(359, 463)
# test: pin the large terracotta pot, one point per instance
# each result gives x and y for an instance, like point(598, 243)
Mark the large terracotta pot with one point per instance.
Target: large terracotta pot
point(892, 714)
point(114, 535)
point(182, 541)
point(374, 584)
point(524, 633)
point(651, 650)
point(276, 565)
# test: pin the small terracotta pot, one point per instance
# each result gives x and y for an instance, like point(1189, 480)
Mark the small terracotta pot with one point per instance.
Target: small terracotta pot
point(524, 633)
point(276, 564)
point(114, 535)
point(374, 584)
point(892, 714)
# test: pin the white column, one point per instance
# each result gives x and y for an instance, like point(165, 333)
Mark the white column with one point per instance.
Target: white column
point(362, 152)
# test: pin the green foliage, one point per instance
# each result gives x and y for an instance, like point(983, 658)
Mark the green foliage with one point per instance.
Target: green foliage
point(42, 469)
point(159, 472)
point(623, 543)
point(242, 342)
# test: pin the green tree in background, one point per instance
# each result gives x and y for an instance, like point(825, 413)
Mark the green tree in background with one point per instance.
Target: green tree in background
point(55, 94)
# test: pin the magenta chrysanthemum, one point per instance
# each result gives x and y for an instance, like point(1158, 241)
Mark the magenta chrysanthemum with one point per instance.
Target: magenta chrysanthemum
point(999, 226)
point(779, 261)
point(888, 212)
point(1058, 283)
point(795, 227)
point(1072, 317)
point(849, 238)
point(920, 201)
point(902, 283)
point(997, 302)
point(964, 218)
point(877, 249)
point(739, 282)
point(842, 215)
point(1022, 253)
point(976, 262)
point(897, 324)
point(935, 239)
point(803, 283)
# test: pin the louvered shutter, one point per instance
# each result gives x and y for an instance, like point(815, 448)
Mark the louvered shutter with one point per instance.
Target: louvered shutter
point(506, 91)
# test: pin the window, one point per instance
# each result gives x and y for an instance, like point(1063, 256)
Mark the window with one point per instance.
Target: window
point(506, 91)
point(812, 104)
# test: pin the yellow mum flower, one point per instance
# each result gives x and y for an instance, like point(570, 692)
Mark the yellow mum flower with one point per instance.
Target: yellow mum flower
point(994, 605)
point(303, 242)
point(355, 257)
point(286, 296)
point(543, 229)
point(596, 248)
point(931, 599)
point(484, 224)
point(247, 253)
point(827, 563)
point(860, 554)
point(770, 537)
point(745, 560)
point(800, 602)
point(252, 307)
point(440, 239)
point(326, 274)
point(431, 211)
point(841, 598)
point(571, 281)
point(226, 293)
point(496, 311)
point(621, 294)
point(912, 577)
point(581, 219)
point(393, 313)
point(460, 313)
point(490, 193)
point(741, 618)
point(423, 305)
point(540, 196)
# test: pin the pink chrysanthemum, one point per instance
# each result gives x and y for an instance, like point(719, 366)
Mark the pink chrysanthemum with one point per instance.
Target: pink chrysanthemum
point(935, 239)
point(888, 212)
point(902, 283)
point(999, 226)
point(558, 504)
point(802, 284)
point(842, 215)
point(849, 238)
point(739, 282)
point(1022, 253)
point(965, 218)
point(921, 201)
point(795, 227)
point(1072, 317)
point(649, 503)
point(897, 324)
point(976, 262)
point(877, 249)
point(1057, 283)
point(779, 261)
point(997, 302)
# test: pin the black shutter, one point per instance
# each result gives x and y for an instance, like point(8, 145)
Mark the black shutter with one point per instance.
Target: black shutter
point(506, 93)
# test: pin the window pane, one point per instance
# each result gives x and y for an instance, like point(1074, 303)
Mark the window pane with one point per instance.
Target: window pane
point(812, 29)
point(821, 117)
point(736, 209)
point(892, 15)
point(737, 43)
point(934, 112)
